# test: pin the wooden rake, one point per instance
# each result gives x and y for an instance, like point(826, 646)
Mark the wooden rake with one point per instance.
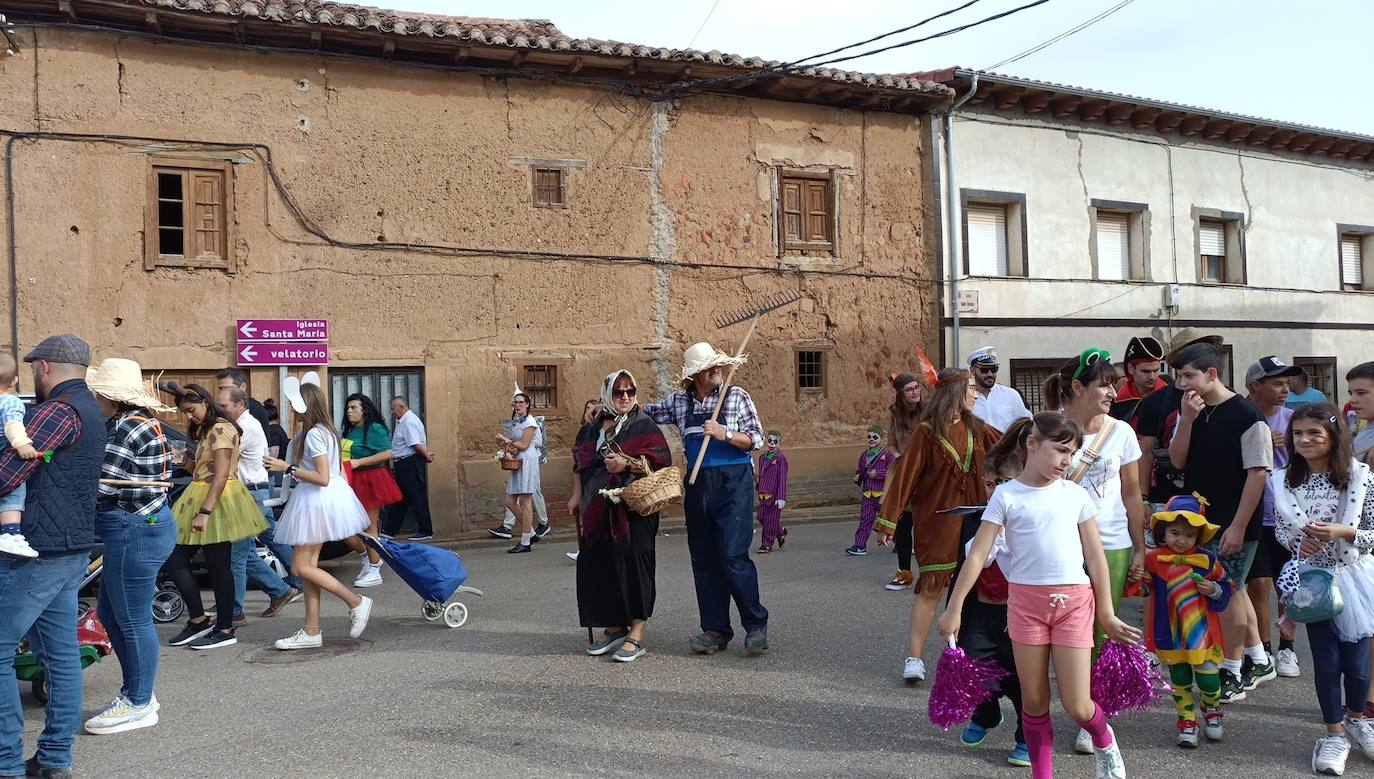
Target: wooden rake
point(752, 316)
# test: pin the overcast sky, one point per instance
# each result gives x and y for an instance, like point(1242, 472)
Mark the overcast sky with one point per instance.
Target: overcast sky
point(1278, 59)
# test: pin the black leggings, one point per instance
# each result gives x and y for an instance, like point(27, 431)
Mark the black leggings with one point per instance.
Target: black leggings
point(217, 560)
point(903, 540)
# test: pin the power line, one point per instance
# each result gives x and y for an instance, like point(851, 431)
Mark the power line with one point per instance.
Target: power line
point(703, 24)
point(941, 34)
point(1061, 36)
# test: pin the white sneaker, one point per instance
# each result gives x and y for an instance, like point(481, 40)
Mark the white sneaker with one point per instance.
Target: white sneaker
point(1328, 756)
point(301, 640)
point(357, 618)
point(1286, 664)
point(1360, 732)
point(914, 670)
point(1187, 736)
point(121, 716)
point(16, 544)
point(1212, 726)
point(1083, 744)
point(571, 556)
point(1109, 762)
point(369, 576)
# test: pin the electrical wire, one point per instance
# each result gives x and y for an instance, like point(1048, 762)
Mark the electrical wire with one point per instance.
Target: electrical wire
point(1061, 36)
point(702, 26)
point(942, 34)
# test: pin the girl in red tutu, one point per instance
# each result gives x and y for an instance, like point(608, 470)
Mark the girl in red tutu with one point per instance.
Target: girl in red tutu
point(370, 475)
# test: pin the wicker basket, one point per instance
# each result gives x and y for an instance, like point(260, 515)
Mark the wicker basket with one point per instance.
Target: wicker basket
point(511, 461)
point(655, 491)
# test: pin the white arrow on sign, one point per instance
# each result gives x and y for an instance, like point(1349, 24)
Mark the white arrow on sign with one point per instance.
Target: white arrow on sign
point(247, 352)
point(248, 329)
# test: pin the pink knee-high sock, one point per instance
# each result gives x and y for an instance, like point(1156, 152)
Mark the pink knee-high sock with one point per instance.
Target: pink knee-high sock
point(1098, 729)
point(1040, 742)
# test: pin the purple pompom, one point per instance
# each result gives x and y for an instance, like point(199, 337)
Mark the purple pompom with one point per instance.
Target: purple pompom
point(961, 684)
point(1124, 679)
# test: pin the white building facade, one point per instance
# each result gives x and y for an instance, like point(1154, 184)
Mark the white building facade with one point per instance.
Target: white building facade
point(1085, 218)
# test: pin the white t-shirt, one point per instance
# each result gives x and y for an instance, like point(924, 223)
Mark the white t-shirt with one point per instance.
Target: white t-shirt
point(252, 448)
point(1103, 483)
point(320, 441)
point(1041, 528)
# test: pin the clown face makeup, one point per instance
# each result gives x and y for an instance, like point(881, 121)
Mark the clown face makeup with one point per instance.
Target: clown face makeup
point(773, 442)
point(874, 439)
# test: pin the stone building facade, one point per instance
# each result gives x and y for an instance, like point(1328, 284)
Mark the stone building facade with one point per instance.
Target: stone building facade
point(469, 203)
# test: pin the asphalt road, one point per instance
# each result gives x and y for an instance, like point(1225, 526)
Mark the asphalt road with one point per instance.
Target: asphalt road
point(512, 693)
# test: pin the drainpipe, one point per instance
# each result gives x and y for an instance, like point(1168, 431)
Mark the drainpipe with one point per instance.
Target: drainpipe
point(951, 228)
point(13, 246)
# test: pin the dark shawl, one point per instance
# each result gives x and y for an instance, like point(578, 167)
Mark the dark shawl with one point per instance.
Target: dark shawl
point(638, 437)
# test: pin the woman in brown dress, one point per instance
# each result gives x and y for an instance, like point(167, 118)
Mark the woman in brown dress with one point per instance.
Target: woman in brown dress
point(942, 463)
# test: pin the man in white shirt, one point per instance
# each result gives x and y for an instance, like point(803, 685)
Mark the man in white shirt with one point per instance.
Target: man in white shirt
point(248, 566)
point(409, 456)
point(996, 404)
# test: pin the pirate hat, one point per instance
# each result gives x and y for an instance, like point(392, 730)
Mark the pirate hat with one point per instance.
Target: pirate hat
point(1144, 349)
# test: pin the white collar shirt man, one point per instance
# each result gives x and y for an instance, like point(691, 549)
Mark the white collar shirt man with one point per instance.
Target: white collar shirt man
point(252, 448)
point(1000, 407)
point(409, 433)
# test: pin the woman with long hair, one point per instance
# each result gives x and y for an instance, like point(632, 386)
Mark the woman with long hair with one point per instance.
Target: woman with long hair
point(370, 477)
point(321, 508)
point(903, 415)
point(215, 511)
point(523, 482)
point(941, 468)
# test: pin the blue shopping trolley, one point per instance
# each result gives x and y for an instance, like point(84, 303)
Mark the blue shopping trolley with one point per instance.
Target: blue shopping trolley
point(435, 574)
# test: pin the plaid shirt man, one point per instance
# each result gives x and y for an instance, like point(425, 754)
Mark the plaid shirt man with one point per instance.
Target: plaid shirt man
point(738, 414)
point(136, 451)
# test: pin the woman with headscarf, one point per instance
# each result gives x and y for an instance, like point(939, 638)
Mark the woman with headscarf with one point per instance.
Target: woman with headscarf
point(615, 569)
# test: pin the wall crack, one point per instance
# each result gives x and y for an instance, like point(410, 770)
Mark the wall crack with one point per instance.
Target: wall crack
point(1245, 194)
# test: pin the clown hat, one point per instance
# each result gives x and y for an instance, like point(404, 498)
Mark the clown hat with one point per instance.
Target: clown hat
point(1190, 509)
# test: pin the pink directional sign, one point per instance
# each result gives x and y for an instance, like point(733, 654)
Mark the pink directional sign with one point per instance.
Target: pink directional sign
point(292, 330)
point(283, 354)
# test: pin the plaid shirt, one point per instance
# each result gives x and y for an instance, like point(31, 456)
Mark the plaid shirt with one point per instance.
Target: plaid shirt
point(738, 413)
point(135, 451)
point(51, 425)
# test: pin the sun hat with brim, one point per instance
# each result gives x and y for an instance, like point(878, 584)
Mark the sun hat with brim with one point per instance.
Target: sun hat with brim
point(1189, 509)
point(121, 381)
point(1187, 337)
point(703, 357)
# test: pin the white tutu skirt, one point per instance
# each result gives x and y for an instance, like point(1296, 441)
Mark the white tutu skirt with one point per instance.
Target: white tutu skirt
point(1356, 583)
point(315, 515)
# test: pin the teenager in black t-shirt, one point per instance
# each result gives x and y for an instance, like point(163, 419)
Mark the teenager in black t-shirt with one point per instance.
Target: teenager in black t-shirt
point(1225, 450)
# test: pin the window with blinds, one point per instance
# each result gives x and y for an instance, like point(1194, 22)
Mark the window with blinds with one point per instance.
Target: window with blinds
point(1211, 240)
point(987, 239)
point(808, 213)
point(1113, 246)
point(380, 385)
point(1028, 377)
point(1352, 262)
point(188, 214)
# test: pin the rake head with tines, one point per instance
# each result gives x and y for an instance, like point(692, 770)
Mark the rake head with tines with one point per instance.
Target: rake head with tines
point(770, 304)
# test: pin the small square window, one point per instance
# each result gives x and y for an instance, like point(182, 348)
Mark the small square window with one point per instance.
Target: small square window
point(189, 214)
point(1321, 373)
point(1028, 377)
point(550, 190)
point(811, 371)
point(541, 385)
point(1220, 248)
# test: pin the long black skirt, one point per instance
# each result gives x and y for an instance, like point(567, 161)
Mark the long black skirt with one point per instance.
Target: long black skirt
point(615, 582)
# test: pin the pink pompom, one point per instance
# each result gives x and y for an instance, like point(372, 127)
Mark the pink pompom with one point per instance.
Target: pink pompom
point(961, 684)
point(1124, 679)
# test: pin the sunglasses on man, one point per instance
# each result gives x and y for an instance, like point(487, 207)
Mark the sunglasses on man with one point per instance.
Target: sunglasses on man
point(987, 368)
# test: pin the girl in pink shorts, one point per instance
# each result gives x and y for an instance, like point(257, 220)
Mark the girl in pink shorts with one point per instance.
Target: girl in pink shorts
point(1050, 536)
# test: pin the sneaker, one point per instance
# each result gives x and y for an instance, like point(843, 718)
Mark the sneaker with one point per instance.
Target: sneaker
point(422, 537)
point(856, 550)
point(542, 530)
point(1019, 755)
point(386, 535)
point(1360, 732)
point(628, 651)
point(756, 642)
point(1254, 673)
point(1286, 664)
point(499, 532)
point(301, 640)
point(120, 716)
point(1083, 743)
point(975, 734)
point(707, 643)
point(519, 549)
point(215, 640)
point(278, 604)
point(900, 582)
point(914, 670)
point(16, 544)
point(240, 619)
point(1328, 756)
point(764, 550)
point(32, 768)
point(369, 576)
point(192, 631)
point(1212, 725)
point(357, 618)
point(1109, 762)
point(1231, 688)
point(606, 644)
point(1187, 734)
point(571, 556)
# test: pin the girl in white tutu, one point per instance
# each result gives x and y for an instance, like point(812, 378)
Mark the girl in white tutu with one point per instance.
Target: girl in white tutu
point(1324, 507)
point(321, 508)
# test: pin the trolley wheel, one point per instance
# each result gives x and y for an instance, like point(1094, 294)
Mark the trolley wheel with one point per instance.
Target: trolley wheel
point(168, 606)
point(432, 610)
point(455, 614)
point(39, 685)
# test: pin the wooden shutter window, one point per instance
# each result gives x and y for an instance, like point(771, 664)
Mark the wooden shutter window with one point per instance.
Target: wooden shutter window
point(987, 239)
point(549, 189)
point(189, 214)
point(1113, 247)
point(808, 213)
point(792, 210)
point(1352, 262)
point(207, 214)
point(818, 211)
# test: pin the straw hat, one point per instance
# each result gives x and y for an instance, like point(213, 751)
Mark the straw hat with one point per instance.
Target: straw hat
point(122, 381)
point(703, 357)
point(1187, 337)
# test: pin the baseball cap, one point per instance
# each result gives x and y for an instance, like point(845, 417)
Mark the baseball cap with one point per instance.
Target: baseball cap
point(1269, 368)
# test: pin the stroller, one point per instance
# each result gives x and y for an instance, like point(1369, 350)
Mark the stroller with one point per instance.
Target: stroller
point(434, 574)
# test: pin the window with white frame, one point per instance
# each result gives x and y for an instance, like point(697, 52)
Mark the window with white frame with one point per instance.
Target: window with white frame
point(1211, 245)
point(1220, 246)
point(994, 233)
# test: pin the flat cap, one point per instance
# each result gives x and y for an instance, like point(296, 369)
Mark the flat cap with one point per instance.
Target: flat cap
point(65, 348)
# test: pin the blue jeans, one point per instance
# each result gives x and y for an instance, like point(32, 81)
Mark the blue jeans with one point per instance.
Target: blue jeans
point(249, 568)
point(720, 527)
point(135, 550)
point(38, 599)
point(1338, 666)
